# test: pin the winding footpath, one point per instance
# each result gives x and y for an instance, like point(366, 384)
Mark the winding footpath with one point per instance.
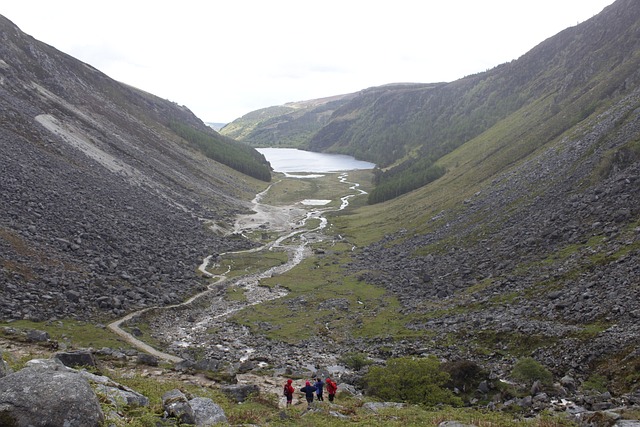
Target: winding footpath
point(286, 220)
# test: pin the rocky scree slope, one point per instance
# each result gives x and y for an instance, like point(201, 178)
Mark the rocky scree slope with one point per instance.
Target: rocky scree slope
point(543, 260)
point(101, 205)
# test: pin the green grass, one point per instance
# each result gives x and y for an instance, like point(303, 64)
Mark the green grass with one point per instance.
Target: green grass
point(74, 333)
point(371, 311)
point(240, 264)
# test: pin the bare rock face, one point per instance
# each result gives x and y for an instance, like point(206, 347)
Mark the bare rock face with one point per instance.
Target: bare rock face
point(48, 395)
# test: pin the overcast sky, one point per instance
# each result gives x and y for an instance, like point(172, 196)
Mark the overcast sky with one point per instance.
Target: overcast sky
point(225, 58)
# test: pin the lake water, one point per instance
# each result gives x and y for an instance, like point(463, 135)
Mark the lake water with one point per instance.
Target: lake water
point(292, 160)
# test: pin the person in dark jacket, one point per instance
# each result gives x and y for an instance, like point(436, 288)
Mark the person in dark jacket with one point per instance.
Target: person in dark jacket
point(319, 385)
point(308, 391)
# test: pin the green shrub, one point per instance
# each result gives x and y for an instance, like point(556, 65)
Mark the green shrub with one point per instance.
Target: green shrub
point(418, 381)
point(354, 360)
point(465, 374)
point(527, 370)
point(595, 382)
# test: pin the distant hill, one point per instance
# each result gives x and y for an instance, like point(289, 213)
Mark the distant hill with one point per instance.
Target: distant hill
point(290, 125)
point(216, 126)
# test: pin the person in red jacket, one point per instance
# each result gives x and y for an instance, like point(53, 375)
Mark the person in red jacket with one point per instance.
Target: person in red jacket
point(288, 392)
point(332, 387)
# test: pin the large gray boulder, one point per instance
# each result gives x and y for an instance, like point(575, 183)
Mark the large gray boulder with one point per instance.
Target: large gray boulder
point(176, 405)
point(200, 411)
point(48, 394)
point(240, 392)
point(207, 413)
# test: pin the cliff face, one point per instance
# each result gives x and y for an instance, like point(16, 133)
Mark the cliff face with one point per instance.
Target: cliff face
point(102, 203)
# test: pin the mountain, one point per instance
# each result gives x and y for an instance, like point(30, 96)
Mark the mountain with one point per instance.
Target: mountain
point(526, 242)
point(560, 82)
point(289, 125)
point(106, 189)
point(529, 242)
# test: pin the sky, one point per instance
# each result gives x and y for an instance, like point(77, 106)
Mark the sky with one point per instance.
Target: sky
point(225, 58)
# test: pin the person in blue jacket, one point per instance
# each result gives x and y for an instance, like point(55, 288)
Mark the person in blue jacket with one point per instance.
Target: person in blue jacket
point(308, 391)
point(319, 385)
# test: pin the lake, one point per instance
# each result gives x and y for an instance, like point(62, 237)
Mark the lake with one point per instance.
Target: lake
point(293, 160)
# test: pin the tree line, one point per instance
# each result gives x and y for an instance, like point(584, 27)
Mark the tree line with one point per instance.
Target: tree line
point(238, 156)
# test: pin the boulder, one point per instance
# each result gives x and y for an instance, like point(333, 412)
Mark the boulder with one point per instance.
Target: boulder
point(147, 359)
point(376, 406)
point(176, 405)
point(48, 394)
point(116, 393)
point(240, 392)
point(73, 359)
point(207, 413)
point(34, 335)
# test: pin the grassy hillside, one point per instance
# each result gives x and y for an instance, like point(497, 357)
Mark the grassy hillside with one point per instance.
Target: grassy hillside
point(291, 125)
point(560, 82)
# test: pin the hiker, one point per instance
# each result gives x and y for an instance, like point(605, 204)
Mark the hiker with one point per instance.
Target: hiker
point(319, 385)
point(308, 390)
point(332, 387)
point(288, 392)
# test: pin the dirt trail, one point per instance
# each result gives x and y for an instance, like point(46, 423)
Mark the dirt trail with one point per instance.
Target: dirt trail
point(288, 221)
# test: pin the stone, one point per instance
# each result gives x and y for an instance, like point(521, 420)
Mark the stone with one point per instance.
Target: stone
point(48, 395)
point(147, 359)
point(34, 335)
point(78, 358)
point(240, 392)
point(4, 368)
point(206, 412)
point(176, 405)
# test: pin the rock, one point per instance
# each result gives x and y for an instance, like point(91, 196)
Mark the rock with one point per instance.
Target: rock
point(51, 394)
point(34, 335)
point(4, 368)
point(116, 393)
point(568, 382)
point(147, 359)
point(176, 405)
point(240, 392)
point(77, 358)
point(454, 424)
point(207, 413)
point(376, 406)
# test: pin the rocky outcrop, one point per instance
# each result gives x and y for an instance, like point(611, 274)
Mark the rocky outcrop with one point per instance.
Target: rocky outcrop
point(48, 394)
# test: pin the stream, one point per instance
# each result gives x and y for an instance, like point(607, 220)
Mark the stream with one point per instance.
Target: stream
point(289, 223)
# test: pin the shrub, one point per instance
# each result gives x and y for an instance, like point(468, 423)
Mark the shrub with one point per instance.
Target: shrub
point(528, 370)
point(354, 360)
point(418, 381)
point(465, 374)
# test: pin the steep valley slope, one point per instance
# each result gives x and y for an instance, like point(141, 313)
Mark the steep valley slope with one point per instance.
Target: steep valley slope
point(528, 244)
point(104, 208)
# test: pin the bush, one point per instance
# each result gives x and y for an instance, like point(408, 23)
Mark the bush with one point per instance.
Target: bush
point(354, 360)
point(527, 370)
point(465, 374)
point(418, 381)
